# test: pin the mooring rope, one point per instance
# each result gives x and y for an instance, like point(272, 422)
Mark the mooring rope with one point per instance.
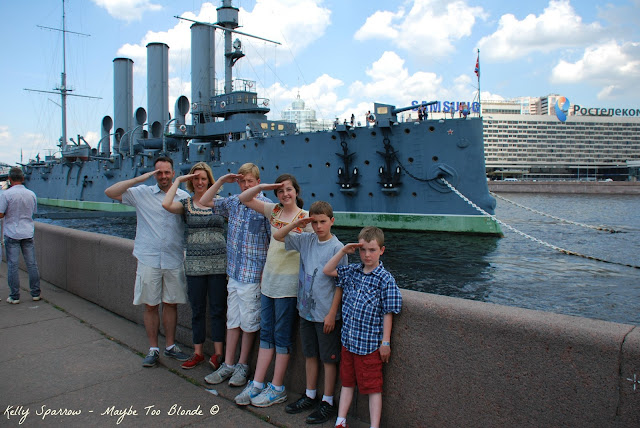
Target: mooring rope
point(539, 241)
point(605, 229)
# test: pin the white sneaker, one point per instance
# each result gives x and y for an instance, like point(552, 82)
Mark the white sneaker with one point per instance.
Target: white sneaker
point(223, 373)
point(239, 377)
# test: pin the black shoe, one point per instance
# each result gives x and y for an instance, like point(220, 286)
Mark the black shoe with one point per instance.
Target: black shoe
point(322, 414)
point(303, 403)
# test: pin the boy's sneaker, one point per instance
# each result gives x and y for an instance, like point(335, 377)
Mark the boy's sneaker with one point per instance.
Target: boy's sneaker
point(342, 425)
point(248, 394)
point(151, 359)
point(239, 377)
point(223, 373)
point(13, 301)
point(322, 414)
point(176, 354)
point(269, 396)
point(303, 403)
point(193, 361)
point(215, 361)
point(36, 298)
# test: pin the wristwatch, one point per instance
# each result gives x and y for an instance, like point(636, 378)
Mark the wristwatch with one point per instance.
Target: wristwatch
point(386, 343)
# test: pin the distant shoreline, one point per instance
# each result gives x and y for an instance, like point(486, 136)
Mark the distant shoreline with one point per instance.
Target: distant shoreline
point(566, 187)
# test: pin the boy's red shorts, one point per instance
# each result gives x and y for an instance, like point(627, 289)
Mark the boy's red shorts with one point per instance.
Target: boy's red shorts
point(365, 370)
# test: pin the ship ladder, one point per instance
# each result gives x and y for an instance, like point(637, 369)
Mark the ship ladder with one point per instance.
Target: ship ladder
point(539, 241)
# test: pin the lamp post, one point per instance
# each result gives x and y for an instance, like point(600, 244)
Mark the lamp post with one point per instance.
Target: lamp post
point(164, 134)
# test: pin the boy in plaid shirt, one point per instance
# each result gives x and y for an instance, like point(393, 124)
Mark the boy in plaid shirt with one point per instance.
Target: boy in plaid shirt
point(369, 300)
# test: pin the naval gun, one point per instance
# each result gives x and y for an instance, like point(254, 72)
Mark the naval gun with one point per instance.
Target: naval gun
point(386, 115)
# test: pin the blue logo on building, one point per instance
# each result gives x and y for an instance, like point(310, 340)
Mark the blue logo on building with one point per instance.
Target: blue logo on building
point(562, 108)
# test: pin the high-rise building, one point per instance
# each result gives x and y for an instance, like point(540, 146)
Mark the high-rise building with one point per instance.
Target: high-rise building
point(541, 146)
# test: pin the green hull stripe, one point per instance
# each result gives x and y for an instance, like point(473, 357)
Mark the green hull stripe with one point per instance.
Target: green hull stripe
point(432, 223)
point(86, 205)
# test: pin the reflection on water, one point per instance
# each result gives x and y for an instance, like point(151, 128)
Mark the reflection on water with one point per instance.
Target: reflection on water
point(511, 270)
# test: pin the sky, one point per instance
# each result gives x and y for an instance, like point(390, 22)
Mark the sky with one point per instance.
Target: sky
point(340, 56)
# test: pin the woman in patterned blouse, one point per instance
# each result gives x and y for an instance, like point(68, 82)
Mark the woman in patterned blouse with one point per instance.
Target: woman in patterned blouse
point(205, 262)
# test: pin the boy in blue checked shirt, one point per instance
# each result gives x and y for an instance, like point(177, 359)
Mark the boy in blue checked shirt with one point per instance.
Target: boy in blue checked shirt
point(369, 300)
point(318, 306)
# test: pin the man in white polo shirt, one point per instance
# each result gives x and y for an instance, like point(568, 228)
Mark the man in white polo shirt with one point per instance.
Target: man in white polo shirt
point(17, 206)
point(159, 248)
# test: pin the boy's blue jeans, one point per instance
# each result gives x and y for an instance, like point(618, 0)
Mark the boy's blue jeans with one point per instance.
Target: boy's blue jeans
point(13, 248)
point(276, 323)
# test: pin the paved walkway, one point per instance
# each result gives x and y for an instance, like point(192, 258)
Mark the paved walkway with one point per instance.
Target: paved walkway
point(67, 362)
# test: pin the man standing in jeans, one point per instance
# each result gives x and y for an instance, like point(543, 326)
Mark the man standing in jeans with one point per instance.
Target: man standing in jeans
point(17, 206)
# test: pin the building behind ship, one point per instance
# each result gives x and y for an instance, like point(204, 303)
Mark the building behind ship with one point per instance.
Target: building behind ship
point(525, 140)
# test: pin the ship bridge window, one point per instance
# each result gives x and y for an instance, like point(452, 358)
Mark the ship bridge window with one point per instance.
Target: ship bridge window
point(273, 126)
point(280, 127)
point(382, 110)
point(264, 126)
point(254, 100)
point(239, 99)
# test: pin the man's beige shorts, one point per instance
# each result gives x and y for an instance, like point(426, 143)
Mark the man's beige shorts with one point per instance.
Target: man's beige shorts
point(154, 285)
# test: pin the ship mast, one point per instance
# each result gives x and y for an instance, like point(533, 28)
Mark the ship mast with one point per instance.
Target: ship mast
point(63, 82)
point(62, 89)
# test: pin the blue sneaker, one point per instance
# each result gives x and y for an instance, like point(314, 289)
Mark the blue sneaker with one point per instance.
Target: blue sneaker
point(269, 396)
point(151, 359)
point(248, 394)
point(176, 354)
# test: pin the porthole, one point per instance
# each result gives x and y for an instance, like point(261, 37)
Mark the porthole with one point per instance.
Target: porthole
point(282, 142)
point(410, 160)
point(414, 194)
point(310, 166)
point(407, 131)
point(435, 158)
point(431, 129)
point(313, 195)
point(327, 164)
point(331, 194)
point(370, 195)
point(306, 140)
point(373, 133)
point(333, 137)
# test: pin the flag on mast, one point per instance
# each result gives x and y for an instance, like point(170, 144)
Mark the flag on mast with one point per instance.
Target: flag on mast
point(477, 70)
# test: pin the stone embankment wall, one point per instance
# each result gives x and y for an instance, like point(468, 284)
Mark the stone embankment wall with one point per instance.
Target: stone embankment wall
point(454, 362)
point(577, 187)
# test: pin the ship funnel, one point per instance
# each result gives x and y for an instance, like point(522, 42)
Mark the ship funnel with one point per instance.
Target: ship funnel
point(202, 68)
point(157, 87)
point(105, 136)
point(181, 109)
point(122, 98)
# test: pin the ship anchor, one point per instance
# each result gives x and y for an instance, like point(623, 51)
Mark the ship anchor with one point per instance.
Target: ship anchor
point(347, 178)
point(389, 176)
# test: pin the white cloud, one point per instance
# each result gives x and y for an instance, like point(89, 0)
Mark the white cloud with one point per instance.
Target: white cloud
point(391, 82)
point(431, 23)
point(557, 27)
point(127, 10)
point(295, 23)
point(614, 67)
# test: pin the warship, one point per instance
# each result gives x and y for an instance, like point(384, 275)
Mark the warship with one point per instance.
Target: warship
point(390, 173)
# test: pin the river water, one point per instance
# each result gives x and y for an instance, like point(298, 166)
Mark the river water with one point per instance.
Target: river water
point(512, 270)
